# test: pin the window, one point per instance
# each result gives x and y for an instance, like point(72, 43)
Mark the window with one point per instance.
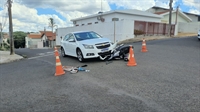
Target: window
point(198, 18)
point(96, 22)
point(77, 25)
point(66, 37)
point(86, 35)
point(89, 23)
point(71, 38)
point(83, 24)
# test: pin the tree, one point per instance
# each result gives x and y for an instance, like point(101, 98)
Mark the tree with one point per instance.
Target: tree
point(19, 39)
point(52, 23)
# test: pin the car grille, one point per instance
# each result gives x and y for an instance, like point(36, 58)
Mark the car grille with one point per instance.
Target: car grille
point(102, 45)
point(104, 53)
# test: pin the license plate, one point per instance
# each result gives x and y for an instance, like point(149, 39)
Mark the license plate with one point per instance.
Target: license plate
point(105, 49)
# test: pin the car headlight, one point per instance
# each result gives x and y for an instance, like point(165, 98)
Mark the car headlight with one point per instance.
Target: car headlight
point(88, 46)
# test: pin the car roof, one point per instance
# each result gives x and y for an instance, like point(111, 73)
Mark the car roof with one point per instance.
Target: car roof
point(81, 31)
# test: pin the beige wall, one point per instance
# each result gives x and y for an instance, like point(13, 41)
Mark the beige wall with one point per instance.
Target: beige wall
point(165, 19)
point(189, 27)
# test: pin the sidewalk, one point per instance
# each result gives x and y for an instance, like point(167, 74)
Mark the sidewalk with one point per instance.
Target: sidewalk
point(5, 57)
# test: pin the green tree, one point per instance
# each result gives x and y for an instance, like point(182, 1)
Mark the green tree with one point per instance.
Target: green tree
point(52, 23)
point(19, 39)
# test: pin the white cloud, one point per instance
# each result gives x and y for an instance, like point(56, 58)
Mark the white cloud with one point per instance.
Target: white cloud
point(26, 18)
point(195, 4)
point(194, 11)
point(133, 4)
point(25, 13)
point(165, 3)
point(69, 8)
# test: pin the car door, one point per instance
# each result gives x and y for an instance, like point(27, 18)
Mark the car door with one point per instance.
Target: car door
point(65, 43)
point(72, 45)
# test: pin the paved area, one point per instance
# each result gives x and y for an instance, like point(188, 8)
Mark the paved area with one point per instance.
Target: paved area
point(166, 79)
point(5, 57)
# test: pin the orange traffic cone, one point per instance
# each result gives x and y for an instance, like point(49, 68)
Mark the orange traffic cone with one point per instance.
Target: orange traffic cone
point(56, 51)
point(144, 47)
point(131, 58)
point(59, 68)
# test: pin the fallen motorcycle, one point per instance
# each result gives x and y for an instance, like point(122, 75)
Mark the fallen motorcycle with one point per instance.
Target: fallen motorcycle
point(119, 52)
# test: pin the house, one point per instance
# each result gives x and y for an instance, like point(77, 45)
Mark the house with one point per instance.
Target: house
point(177, 15)
point(194, 17)
point(130, 14)
point(116, 25)
point(32, 40)
point(48, 38)
point(40, 39)
point(185, 22)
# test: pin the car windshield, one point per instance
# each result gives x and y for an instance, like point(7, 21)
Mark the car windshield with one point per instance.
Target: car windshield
point(86, 35)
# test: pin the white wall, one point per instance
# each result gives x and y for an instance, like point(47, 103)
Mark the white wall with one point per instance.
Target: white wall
point(139, 18)
point(165, 19)
point(34, 43)
point(108, 18)
point(123, 30)
point(193, 17)
point(189, 27)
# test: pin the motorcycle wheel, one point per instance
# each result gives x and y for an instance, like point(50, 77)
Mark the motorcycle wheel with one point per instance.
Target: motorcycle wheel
point(125, 57)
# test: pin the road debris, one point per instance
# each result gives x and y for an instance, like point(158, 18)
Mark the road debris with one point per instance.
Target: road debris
point(73, 69)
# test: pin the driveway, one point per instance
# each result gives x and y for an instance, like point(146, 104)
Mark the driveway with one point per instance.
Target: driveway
point(166, 79)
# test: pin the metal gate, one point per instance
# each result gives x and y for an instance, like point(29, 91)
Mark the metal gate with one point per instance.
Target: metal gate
point(152, 28)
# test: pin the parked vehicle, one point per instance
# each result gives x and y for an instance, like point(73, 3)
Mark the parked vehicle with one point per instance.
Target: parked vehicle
point(120, 52)
point(198, 35)
point(85, 44)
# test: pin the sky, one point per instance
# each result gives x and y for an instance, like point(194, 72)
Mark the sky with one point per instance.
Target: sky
point(33, 15)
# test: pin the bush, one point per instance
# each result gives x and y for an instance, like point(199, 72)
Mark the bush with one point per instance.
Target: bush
point(6, 47)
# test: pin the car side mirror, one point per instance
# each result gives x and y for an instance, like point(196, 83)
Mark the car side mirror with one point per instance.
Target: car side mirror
point(71, 40)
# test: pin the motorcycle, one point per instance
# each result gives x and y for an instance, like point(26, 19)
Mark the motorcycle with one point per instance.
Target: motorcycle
point(119, 52)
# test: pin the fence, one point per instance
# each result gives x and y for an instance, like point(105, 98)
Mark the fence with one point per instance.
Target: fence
point(152, 28)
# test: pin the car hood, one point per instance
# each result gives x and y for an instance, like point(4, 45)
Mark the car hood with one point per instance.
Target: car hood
point(94, 41)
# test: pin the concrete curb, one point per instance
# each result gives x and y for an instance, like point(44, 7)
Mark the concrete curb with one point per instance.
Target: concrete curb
point(5, 57)
point(148, 38)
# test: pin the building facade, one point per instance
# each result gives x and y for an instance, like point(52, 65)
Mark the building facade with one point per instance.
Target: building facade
point(116, 25)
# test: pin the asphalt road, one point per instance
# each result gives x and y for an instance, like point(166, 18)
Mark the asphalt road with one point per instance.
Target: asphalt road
point(166, 79)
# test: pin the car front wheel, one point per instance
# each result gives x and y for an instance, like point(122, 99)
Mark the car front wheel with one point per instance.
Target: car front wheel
point(80, 55)
point(63, 52)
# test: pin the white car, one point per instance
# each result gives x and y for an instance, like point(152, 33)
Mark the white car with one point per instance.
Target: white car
point(199, 35)
point(85, 44)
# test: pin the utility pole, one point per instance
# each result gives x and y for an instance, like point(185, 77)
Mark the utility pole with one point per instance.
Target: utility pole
point(10, 28)
point(170, 17)
point(176, 14)
point(101, 5)
point(1, 39)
